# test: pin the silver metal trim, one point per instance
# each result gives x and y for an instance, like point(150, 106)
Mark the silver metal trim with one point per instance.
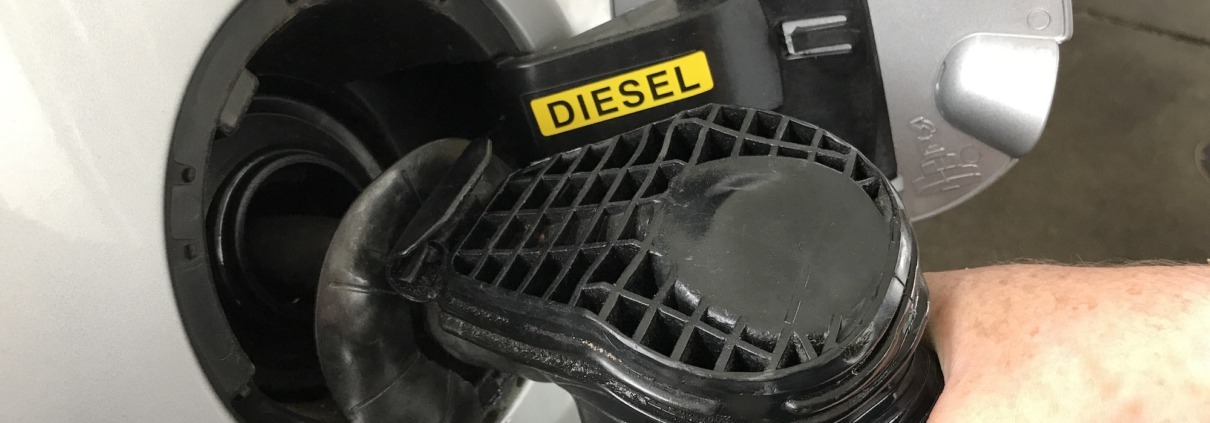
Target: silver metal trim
point(536, 24)
point(998, 89)
point(541, 402)
point(957, 129)
point(789, 28)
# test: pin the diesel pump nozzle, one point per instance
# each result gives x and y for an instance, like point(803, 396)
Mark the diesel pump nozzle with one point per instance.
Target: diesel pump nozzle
point(724, 265)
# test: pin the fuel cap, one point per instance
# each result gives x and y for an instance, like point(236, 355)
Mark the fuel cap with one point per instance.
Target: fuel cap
point(727, 264)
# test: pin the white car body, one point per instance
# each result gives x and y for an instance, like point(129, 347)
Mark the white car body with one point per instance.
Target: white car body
point(89, 94)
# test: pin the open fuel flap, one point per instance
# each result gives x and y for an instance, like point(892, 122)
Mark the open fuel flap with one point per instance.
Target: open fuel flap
point(942, 95)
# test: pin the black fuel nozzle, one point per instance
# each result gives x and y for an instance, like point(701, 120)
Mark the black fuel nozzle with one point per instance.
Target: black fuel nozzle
point(724, 265)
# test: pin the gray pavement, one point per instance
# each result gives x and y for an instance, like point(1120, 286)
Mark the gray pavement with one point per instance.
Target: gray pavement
point(1188, 19)
point(1114, 177)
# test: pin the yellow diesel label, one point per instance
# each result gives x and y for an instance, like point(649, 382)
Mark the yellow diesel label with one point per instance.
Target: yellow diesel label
point(618, 96)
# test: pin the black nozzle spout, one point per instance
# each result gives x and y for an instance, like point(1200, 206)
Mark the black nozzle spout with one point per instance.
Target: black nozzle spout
point(367, 335)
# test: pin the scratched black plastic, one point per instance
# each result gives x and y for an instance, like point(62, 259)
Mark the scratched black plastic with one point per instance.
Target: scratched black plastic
point(727, 264)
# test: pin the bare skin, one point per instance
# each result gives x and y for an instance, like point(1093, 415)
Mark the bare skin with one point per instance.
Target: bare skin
point(1040, 343)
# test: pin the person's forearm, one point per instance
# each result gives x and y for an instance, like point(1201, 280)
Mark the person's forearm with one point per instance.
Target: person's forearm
point(1052, 343)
